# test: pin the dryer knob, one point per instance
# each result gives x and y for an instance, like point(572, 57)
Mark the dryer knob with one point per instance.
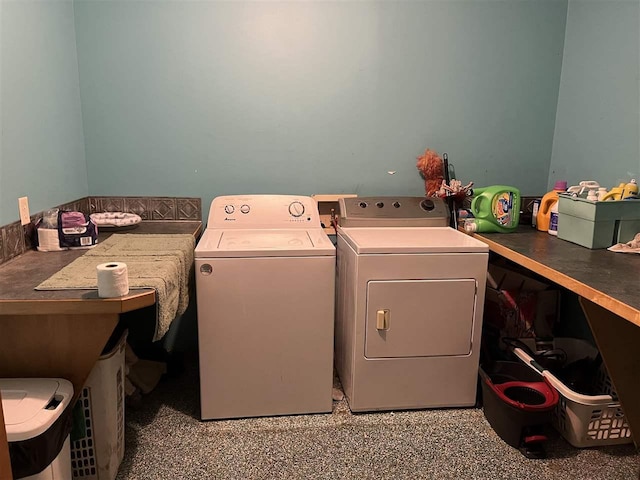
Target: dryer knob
point(427, 205)
point(362, 204)
point(380, 204)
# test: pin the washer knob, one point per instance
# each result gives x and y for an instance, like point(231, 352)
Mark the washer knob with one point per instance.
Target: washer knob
point(229, 209)
point(296, 209)
point(427, 204)
point(379, 204)
point(362, 204)
point(396, 204)
point(245, 208)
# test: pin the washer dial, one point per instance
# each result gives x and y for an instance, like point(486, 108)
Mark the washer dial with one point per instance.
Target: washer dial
point(296, 209)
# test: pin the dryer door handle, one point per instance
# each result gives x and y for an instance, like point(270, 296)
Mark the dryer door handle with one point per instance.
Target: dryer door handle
point(382, 320)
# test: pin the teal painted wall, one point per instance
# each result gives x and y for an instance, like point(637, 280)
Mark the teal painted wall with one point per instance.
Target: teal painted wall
point(209, 98)
point(41, 143)
point(597, 132)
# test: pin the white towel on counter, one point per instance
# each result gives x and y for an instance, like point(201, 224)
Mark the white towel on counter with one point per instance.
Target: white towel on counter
point(630, 247)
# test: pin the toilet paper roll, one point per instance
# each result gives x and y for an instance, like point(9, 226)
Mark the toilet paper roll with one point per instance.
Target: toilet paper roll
point(48, 240)
point(113, 279)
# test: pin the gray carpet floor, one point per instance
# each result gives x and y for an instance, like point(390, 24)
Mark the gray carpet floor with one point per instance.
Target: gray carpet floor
point(166, 440)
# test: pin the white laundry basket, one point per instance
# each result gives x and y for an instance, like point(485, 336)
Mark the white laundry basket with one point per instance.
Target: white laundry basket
point(584, 420)
point(96, 453)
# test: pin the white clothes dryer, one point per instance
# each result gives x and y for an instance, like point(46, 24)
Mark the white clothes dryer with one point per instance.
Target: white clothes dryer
point(265, 286)
point(409, 305)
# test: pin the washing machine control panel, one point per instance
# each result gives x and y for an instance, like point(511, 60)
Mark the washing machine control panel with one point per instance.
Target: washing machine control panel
point(263, 211)
point(393, 211)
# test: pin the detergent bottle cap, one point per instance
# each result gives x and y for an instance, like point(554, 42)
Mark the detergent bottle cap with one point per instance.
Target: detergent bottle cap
point(630, 189)
point(470, 226)
point(560, 185)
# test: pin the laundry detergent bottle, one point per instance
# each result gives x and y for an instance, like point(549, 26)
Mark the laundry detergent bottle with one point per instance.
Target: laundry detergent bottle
point(548, 201)
point(495, 208)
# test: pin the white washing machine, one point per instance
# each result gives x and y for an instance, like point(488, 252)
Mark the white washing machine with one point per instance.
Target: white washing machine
point(265, 285)
point(410, 296)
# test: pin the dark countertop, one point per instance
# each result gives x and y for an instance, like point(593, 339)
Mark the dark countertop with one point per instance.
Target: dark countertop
point(20, 276)
point(607, 278)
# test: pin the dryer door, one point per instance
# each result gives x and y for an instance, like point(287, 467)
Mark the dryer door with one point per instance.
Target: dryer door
point(419, 318)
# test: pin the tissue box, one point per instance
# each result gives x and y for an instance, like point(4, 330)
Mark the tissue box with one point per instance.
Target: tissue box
point(597, 224)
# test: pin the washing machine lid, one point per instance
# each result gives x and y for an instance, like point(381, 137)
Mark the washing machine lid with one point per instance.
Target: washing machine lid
point(365, 240)
point(25, 402)
point(264, 242)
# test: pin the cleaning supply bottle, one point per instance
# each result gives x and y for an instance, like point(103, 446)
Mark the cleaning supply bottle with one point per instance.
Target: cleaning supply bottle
point(495, 208)
point(548, 200)
point(630, 189)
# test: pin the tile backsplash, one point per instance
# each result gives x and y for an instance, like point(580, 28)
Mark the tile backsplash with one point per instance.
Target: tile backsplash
point(150, 208)
point(15, 239)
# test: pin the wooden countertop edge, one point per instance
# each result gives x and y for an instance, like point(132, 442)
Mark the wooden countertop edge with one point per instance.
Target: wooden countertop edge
point(596, 296)
point(79, 306)
point(198, 231)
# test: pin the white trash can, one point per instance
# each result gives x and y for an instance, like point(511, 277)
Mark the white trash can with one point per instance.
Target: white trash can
point(38, 422)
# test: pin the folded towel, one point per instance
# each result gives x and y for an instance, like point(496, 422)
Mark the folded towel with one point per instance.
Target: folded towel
point(117, 219)
point(161, 262)
point(630, 247)
point(180, 246)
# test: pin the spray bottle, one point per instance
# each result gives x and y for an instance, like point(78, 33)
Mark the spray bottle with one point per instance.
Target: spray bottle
point(495, 208)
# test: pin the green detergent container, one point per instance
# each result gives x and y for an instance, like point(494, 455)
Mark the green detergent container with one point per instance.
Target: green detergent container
point(495, 208)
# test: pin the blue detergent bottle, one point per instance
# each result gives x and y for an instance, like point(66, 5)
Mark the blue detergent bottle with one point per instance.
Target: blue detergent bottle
point(495, 208)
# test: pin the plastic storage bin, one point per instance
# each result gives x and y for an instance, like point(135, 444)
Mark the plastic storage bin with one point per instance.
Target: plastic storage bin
point(38, 420)
point(597, 224)
point(97, 440)
point(584, 420)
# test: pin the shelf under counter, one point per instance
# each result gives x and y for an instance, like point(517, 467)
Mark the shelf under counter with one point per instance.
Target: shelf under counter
point(607, 278)
point(609, 293)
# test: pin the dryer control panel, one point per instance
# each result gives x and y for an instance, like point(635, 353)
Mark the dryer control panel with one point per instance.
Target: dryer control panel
point(393, 212)
point(263, 211)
